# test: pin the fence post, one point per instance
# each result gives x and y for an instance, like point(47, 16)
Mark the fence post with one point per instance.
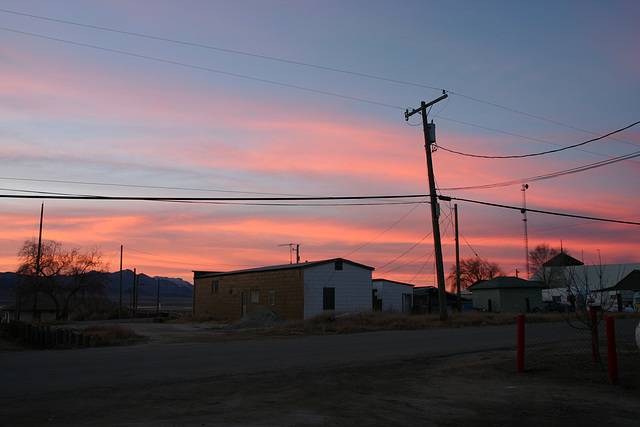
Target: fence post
point(520, 343)
point(611, 349)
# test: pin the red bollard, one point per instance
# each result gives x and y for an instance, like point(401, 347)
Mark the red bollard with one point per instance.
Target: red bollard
point(520, 343)
point(611, 350)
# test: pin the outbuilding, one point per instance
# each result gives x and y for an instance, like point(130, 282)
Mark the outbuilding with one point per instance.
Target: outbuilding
point(389, 295)
point(507, 295)
point(293, 291)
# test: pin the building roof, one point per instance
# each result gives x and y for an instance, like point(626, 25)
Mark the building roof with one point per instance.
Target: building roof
point(605, 276)
point(504, 282)
point(301, 265)
point(392, 281)
point(631, 282)
point(562, 260)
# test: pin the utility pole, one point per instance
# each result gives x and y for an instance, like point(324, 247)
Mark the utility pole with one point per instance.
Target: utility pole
point(158, 301)
point(120, 304)
point(35, 294)
point(455, 210)
point(429, 138)
point(134, 297)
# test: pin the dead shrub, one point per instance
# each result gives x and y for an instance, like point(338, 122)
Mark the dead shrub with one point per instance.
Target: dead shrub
point(344, 323)
point(111, 334)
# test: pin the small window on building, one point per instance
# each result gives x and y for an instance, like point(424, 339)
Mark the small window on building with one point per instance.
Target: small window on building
point(214, 286)
point(254, 296)
point(339, 265)
point(272, 297)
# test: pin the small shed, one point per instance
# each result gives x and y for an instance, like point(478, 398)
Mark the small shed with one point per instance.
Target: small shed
point(426, 300)
point(391, 295)
point(507, 295)
point(23, 310)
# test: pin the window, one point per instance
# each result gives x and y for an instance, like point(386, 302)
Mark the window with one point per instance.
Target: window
point(339, 265)
point(214, 286)
point(254, 296)
point(272, 297)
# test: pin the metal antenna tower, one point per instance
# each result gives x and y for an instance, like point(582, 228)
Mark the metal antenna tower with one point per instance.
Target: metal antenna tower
point(291, 249)
point(526, 234)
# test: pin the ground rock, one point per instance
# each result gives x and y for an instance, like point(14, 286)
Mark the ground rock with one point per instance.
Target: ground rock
point(260, 317)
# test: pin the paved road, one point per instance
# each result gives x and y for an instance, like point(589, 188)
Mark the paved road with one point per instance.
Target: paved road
point(29, 373)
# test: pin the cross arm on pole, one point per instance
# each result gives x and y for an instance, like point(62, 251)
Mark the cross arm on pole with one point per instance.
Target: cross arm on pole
point(408, 113)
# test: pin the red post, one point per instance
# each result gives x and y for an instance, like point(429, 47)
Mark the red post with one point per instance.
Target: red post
point(520, 343)
point(611, 350)
point(593, 316)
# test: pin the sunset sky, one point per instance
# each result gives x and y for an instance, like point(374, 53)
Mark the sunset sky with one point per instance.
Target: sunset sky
point(237, 99)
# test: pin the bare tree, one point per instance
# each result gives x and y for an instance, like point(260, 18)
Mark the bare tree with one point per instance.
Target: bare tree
point(61, 275)
point(585, 289)
point(538, 257)
point(473, 270)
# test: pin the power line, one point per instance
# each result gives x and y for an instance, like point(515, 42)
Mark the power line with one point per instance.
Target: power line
point(158, 187)
point(541, 211)
point(198, 67)
point(235, 52)
point(292, 62)
point(273, 82)
point(548, 175)
point(387, 229)
point(293, 199)
point(302, 64)
point(519, 181)
point(519, 156)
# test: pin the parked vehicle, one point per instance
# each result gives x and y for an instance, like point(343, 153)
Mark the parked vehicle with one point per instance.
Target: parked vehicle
point(551, 306)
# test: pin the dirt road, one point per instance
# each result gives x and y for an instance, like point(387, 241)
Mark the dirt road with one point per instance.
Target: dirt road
point(480, 388)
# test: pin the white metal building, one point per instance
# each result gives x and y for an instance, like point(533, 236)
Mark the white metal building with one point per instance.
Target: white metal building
point(339, 285)
point(393, 295)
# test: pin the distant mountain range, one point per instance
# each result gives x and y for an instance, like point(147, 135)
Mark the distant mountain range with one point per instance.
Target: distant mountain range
point(174, 292)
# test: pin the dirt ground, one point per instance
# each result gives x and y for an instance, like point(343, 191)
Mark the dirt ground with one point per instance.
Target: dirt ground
point(480, 388)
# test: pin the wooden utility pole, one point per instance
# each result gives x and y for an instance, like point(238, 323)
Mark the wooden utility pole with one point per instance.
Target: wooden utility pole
point(120, 304)
point(39, 254)
point(134, 296)
point(455, 210)
point(158, 301)
point(429, 138)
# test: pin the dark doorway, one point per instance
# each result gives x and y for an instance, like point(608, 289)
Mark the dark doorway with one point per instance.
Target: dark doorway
point(328, 298)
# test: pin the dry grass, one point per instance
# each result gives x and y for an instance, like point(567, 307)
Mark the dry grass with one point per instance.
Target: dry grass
point(111, 334)
point(344, 323)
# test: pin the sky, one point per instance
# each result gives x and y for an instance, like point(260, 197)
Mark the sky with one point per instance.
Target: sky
point(290, 99)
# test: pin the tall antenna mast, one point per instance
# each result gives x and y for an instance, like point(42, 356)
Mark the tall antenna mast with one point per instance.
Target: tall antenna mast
point(291, 249)
point(526, 234)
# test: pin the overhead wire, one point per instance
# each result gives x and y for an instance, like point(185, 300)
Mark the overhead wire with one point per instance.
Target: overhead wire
point(198, 67)
point(550, 175)
point(520, 156)
point(262, 200)
point(547, 176)
point(387, 229)
point(297, 63)
point(158, 187)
